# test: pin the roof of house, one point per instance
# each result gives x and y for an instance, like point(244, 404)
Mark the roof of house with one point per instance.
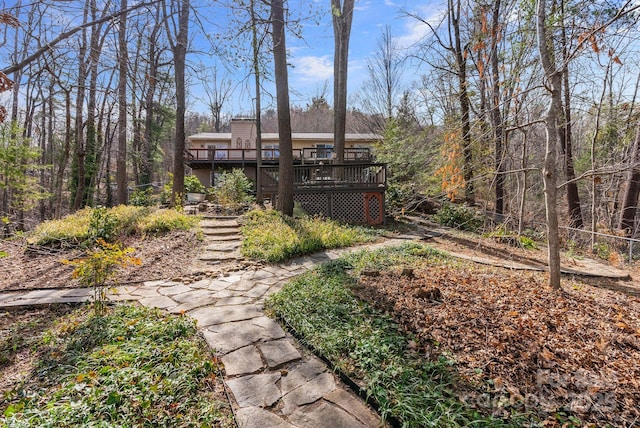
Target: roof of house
point(311, 136)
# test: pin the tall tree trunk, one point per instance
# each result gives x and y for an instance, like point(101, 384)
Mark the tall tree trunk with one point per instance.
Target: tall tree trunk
point(285, 163)
point(44, 157)
point(525, 182)
point(630, 201)
point(121, 159)
point(496, 112)
point(594, 179)
point(566, 135)
point(146, 175)
point(553, 77)
point(79, 114)
point(463, 99)
point(256, 74)
point(179, 57)
point(342, 15)
point(91, 143)
point(66, 152)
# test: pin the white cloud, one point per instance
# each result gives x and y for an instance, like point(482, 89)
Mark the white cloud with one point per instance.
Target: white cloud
point(362, 5)
point(312, 68)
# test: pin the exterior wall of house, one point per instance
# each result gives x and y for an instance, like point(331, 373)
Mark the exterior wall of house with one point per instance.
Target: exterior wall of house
point(204, 175)
point(243, 134)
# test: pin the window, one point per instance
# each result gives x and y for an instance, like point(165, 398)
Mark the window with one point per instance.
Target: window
point(238, 143)
point(220, 151)
point(270, 151)
point(324, 151)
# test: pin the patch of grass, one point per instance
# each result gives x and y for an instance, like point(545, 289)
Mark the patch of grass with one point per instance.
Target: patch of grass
point(504, 236)
point(131, 367)
point(166, 220)
point(410, 254)
point(21, 329)
point(128, 217)
point(366, 344)
point(72, 229)
point(86, 225)
point(272, 237)
point(459, 216)
point(3, 254)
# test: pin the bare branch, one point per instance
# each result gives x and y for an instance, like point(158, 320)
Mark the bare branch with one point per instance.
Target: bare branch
point(65, 35)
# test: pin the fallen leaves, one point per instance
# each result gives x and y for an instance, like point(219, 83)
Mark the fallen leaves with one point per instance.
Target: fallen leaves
point(577, 351)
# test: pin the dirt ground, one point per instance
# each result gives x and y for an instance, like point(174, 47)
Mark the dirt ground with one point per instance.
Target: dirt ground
point(163, 257)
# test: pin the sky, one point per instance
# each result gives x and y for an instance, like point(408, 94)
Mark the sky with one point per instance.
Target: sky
point(311, 58)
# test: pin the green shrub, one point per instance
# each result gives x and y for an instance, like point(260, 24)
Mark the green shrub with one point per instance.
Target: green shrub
point(233, 189)
point(506, 236)
point(459, 217)
point(89, 224)
point(272, 237)
point(102, 225)
point(165, 220)
point(73, 229)
point(108, 224)
point(193, 185)
point(128, 217)
point(142, 197)
point(602, 250)
point(527, 243)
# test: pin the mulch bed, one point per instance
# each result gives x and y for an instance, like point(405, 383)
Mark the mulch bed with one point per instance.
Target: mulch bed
point(163, 257)
point(519, 345)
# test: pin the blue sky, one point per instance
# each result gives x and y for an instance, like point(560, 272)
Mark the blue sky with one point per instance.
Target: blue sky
point(312, 57)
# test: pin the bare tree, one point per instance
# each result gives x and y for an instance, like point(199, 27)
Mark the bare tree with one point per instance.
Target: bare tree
point(123, 59)
point(383, 87)
point(153, 66)
point(566, 131)
point(452, 43)
point(46, 47)
point(385, 72)
point(178, 33)
point(255, 50)
point(553, 77)
point(342, 15)
point(285, 163)
point(218, 91)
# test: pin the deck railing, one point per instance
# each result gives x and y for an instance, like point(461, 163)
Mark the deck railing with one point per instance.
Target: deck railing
point(368, 176)
point(304, 155)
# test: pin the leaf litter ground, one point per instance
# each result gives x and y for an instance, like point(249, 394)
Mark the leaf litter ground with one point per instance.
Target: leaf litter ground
point(518, 345)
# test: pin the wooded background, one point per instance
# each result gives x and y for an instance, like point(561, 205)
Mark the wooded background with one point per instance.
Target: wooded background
point(527, 109)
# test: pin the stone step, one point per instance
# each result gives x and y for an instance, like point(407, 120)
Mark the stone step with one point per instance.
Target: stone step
point(214, 231)
point(219, 224)
point(222, 238)
point(224, 246)
point(210, 256)
point(209, 216)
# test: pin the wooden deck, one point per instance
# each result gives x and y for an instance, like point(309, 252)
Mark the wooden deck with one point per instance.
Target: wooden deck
point(310, 155)
point(363, 177)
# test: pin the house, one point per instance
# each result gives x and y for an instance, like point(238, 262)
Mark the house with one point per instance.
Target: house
point(352, 191)
point(210, 153)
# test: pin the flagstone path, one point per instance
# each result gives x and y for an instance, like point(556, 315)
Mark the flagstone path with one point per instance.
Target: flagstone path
point(273, 380)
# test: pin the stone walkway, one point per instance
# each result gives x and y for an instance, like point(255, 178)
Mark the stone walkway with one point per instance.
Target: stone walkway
point(275, 383)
